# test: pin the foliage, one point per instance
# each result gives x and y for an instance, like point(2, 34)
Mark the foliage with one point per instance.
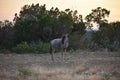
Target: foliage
point(6, 34)
point(41, 47)
point(45, 24)
point(98, 16)
point(76, 41)
point(24, 47)
point(35, 23)
point(108, 36)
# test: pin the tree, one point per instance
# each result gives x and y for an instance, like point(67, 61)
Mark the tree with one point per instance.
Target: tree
point(29, 23)
point(98, 16)
point(6, 34)
point(35, 23)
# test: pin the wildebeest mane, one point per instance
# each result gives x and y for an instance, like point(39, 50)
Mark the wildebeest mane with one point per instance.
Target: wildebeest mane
point(63, 39)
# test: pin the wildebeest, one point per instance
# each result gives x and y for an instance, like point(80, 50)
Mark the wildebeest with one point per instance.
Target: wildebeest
point(61, 43)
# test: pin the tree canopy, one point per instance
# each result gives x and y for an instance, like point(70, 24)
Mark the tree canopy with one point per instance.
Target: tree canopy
point(35, 23)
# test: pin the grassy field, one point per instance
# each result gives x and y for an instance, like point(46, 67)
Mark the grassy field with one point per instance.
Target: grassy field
point(77, 65)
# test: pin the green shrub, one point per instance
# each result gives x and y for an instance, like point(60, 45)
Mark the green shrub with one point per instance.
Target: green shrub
point(41, 47)
point(24, 47)
point(76, 41)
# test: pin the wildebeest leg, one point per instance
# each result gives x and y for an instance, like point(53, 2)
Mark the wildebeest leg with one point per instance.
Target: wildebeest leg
point(62, 52)
point(65, 50)
point(52, 55)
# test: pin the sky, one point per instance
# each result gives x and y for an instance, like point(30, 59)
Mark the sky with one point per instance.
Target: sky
point(9, 7)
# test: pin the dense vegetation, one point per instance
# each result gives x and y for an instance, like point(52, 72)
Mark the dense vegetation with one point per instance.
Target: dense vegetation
point(33, 28)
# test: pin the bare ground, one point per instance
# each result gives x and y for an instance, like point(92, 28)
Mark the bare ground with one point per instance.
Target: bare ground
point(78, 65)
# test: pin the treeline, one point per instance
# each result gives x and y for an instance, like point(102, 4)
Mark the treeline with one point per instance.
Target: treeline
point(34, 26)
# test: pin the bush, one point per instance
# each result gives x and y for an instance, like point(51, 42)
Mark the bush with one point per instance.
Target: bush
point(76, 41)
point(39, 47)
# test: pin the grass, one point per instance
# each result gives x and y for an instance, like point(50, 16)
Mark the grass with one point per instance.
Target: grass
point(78, 66)
point(74, 73)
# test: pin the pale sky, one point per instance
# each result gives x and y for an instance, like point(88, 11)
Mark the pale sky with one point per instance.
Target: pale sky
point(9, 7)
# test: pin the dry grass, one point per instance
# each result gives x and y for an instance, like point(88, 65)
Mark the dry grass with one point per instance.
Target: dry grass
point(95, 77)
point(77, 66)
point(94, 70)
point(74, 73)
point(79, 69)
